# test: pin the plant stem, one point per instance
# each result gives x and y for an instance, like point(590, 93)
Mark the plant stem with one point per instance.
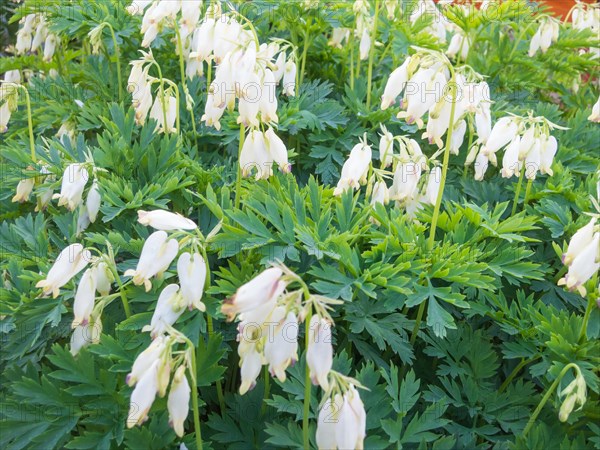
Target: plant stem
point(517, 192)
point(29, 123)
point(267, 376)
point(351, 39)
point(438, 202)
point(515, 371)
point(527, 192)
point(209, 324)
point(195, 403)
point(547, 396)
point(372, 53)
point(162, 96)
point(186, 92)
point(307, 385)
point(304, 52)
point(586, 317)
point(122, 292)
point(118, 58)
point(238, 180)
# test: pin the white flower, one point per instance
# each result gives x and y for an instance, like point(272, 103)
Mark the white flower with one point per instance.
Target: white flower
point(289, 79)
point(73, 183)
point(145, 360)
point(579, 241)
point(203, 39)
point(190, 14)
point(84, 335)
point(355, 168)
point(281, 346)
point(459, 44)
point(5, 114)
point(406, 178)
point(250, 365)
point(93, 202)
point(319, 355)
point(342, 422)
point(179, 400)
point(433, 185)
point(164, 220)
point(212, 114)
point(191, 270)
point(255, 155)
point(481, 165)
point(157, 114)
point(365, 44)
point(380, 193)
point(548, 150)
point(84, 298)
point(13, 76)
point(277, 150)
point(503, 132)
point(427, 87)
point(68, 264)
point(338, 36)
point(395, 84)
point(386, 147)
point(280, 64)
point(458, 136)
point(257, 292)
point(511, 165)
point(483, 122)
point(104, 278)
point(157, 255)
point(168, 309)
point(49, 47)
point(584, 266)
point(143, 396)
point(24, 189)
point(268, 98)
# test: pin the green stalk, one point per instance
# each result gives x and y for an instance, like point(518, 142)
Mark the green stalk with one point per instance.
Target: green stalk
point(527, 192)
point(304, 53)
point(118, 58)
point(238, 180)
point(267, 376)
point(195, 404)
point(307, 385)
point(438, 202)
point(351, 39)
point(588, 310)
point(186, 92)
point(372, 53)
point(122, 292)
point(209, 323)
point(29, 123)
point(537, 411)
point(162, 95)
point(515, 371)
point(518, 192)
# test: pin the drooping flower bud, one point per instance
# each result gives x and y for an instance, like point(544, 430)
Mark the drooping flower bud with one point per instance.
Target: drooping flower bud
point(319, 355)
point(24, 189)
point(92, 204)
point(581, 239)
point(157, 254)
point(164, 220)
point(355, 168)
point(179, 401)
point(191, 270)
point(143, 396)
point(74, 180)
point(168, 309)
point(84, 298)
point(68, 264)
point(144, 360)
point(281, 346)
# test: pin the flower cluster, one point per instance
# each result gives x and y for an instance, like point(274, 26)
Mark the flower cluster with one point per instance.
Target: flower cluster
point(528, 143)
point(586, 16)
point(151, 373)
point(34, 35)
point(546, 34)
point(574, 394)
point(163, 107)
point(364, 26)
point(269, 316)
point(582, 257)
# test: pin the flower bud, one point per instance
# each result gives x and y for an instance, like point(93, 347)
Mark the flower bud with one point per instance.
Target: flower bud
point(191, 270)
point(319, 355)
point(168, 309)
point(165, 220)
point(93, 202)
point(157, 255)
point(178, 401)
point(84, 298)
point(143, 396)
point(73, 183)
point(24, 189)
point(68, 264)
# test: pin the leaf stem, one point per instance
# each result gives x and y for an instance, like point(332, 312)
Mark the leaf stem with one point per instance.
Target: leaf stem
point(372, 53)
point(547, 396)
point(209, 324)
point(122, 292)
point(515, 371)
point(527, 192)
point(263, 408)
